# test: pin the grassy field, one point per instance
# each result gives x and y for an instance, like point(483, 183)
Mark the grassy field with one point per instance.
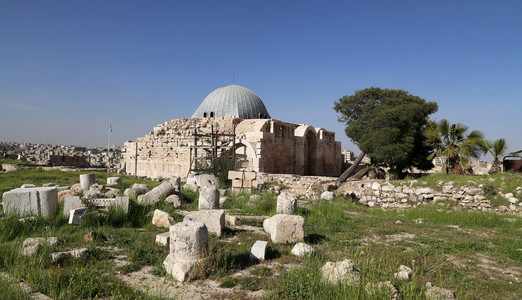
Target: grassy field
point(479, 255)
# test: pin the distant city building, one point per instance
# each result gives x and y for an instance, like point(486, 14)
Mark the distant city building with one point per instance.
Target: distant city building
point(348, 156)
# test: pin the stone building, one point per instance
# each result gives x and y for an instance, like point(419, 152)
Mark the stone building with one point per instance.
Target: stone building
point(234, 120)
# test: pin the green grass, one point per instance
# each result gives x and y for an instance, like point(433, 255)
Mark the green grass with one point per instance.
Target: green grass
point(15, 161)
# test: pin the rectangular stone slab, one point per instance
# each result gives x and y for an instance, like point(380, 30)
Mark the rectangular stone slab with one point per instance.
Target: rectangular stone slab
point(38, 201)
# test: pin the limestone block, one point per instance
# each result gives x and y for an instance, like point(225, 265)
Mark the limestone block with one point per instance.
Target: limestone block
point(31, 201)
point(136, 190)
point(285, 228)
point(213, 219)
point(76, 253)
point(162, 191)
point(71, 203)
point(64, 193)
point(207, 180)
point(388, 188)
point(208, 198)
point(162, 219)
point(113, 181)
point(175, 200)
point(327, 195)
point(76, 216)
point(163, 238)
point(30, 245)
point(112, 193)
point(91, 194)
point(77, 188)
point(421, 191)
point(302, 249)
point(341, 272)
point(120, 203)
point(404, 273)
point(86, 180)
point(188, 244)
point(27, 185)
point(258, 250)
point(286, 203)
point(376, 186)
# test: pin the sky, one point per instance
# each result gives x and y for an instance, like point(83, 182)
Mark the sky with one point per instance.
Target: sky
point(68, 69)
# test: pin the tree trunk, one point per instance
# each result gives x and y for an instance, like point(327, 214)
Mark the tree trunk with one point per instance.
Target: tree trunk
point(361, 173)
point(350, 170)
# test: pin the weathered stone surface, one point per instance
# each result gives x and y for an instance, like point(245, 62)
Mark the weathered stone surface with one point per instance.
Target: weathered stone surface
point(341, 272)
point(92, 194)
point(188, 244)
point(31, 201)
point(163, 238)
point(302, 249)
point(258, 250)
point(113, 181)
point(375, 289)
point(27, 185)
point(437, 293)
point(286, 203)
point(327, 195)
point(285, 228)
point(64, 193)
point(86, 180)
point(71, 203)
point(404, 273)
point(223, 200)
point(162, 219)
point(30, 245)
point(175, 200)
point(162, 191)
point(92, 236)
point(77, 188)
point(76, 216)
point(213, 219)
point(208, 198)
point(76, 253)
point(255, 197)
point(136, 190)
point(112, 193)
point(207, 180)
point(376, 186)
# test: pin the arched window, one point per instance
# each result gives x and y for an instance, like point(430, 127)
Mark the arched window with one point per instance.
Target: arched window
point(204, 115)
point(211, 114)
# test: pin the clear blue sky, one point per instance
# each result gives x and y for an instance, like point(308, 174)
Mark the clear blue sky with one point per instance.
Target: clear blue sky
point(68, 68)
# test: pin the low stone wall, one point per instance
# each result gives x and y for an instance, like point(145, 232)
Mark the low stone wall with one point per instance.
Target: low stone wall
point(386, 195)
point(308, 186)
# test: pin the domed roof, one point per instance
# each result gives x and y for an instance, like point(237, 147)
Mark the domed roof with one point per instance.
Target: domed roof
point(232, 100)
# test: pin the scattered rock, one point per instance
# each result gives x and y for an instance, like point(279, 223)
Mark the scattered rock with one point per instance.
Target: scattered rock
point(71, 203)
point(86, 180)
point(76, 253)
point(65, 193)
point(342, 272)
point(175, 200)
point(373, 289)
point(113, 193)
point(213, 219)
point(92, 236)
point(285, 228)
point(30, 245)
point(162, 191)
point(163, 238)
point(258, 250)
point(113, 181)
point(286, 203)
point(162, 219)
point(437, 293)
point(404, 273)
point(302, 249)
point(208, 198)
point(39, 201)
point(327, 195)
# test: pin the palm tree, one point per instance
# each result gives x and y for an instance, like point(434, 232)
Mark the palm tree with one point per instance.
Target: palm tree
point(497, 150)
point(452, 142)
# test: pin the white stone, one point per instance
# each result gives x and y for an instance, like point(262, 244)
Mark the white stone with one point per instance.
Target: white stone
point(286, 203)
point(71, 203)
point(136, 190)
point(258, 250)
point(114, 181)
point(162, 219)
point(30, 245)
point(31, 201)
point(513, 200)
point(388, 188)
point(285, 228)
point(76, 253)
point(327, 195)
point(86, 180)
point(223, 200)
point(207, 180)
point(112, 193)
point(214, 219)
point(27, 185)
point(404, 273)
point(162, 191)
point(508, 195)
point(340, 272)
point(421, 191)
point(174, 199)
point(76, 215)
point(376, 186)
point(433, 292)
point(163, 238)
point(208, 198)
point(302, 249)
point(188, 244)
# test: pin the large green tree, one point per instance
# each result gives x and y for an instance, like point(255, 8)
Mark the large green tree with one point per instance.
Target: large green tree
point(387, 125)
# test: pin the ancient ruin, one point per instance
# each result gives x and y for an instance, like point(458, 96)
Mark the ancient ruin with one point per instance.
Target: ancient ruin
point(233, 120)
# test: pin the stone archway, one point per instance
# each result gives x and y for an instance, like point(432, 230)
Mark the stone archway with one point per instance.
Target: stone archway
point(246, 156)
point(310, 159)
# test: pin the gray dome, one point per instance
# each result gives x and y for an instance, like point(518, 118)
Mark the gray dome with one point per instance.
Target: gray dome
point(232, 100)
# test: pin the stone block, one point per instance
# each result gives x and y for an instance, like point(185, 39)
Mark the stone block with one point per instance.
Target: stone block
point(163, 238)
point(341, 272)
point(72, 203)
point(30, 245)
point(327, 195)
point(31, 201)
point(76, 216)
point(213, 219)
point(188, 244)
point(175, 200)
point(113, 193)
point(286, 203)
point(113, 181)
point(302, 249)
point(162, 219)
point(76, 253)
point(258, 250)
point(207, 180)
point(86, 180)
point(208, 198)
point(27, 185)
point(285, 228)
